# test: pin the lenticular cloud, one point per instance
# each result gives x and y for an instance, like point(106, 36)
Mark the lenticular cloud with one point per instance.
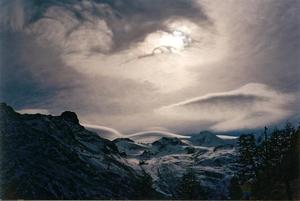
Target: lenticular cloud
point(252, 105)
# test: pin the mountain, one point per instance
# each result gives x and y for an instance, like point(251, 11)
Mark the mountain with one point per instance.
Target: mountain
point(129, 147)
point(209, 139)
point(151, 136)
point(54, 157)
point(167, 159)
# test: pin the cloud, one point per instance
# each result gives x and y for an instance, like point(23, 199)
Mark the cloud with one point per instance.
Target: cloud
point(113, 25)
point(151, 136)
point(251, 106)
point(261, 43)
point(71, 55)
point(96, 37)
point(13, 16)
point(102, 131)
point(33, 111)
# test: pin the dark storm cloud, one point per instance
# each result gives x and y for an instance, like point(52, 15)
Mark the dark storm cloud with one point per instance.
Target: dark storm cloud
point(130, 21)
point(34, 76)
point(30, 70)
point(142, 17)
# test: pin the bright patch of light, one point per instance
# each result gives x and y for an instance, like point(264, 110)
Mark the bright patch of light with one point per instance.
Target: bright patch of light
point(174, 41)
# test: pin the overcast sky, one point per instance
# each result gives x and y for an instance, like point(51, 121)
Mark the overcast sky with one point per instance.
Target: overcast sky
point(131, 65)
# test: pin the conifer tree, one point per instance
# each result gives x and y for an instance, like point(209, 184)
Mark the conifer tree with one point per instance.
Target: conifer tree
point(279, 165)
point(247, 158)
point(189, 187)
point(272, 165)
point(235, 191)
point(144, 186)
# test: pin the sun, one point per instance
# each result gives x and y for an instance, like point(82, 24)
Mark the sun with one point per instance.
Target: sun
point(165, 41)
point(174, 41)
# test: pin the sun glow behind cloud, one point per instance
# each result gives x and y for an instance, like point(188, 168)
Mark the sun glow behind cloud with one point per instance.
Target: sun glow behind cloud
point(165, 59)
point(176, 40)
point(117, 62)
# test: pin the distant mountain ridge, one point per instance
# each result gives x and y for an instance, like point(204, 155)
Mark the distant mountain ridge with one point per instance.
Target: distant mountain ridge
point(209, 139)
point(167, 159)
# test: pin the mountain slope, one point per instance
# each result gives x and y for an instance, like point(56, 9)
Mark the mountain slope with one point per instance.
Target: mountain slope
point(54, 157)
point(167, 159)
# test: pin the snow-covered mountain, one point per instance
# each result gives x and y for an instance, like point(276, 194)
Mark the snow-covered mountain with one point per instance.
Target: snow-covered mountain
point(54, 157)
point(167, 159)
point(209, 139)
point(153, 135)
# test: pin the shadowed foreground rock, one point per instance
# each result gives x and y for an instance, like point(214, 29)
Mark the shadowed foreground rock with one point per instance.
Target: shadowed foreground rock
point(54, 157)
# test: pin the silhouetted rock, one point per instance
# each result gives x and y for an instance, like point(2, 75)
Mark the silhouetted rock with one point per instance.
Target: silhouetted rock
point(70, 116)
point(6, 110)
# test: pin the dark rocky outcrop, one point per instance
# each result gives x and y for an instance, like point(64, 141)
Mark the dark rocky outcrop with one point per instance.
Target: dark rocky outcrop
point(54, 157)
point(70, 116)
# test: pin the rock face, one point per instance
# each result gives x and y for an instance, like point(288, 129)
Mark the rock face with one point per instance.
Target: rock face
point(54, 157)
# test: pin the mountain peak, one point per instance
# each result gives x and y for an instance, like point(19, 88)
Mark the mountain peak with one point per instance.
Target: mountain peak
point(6, 109)
point(168, 140)
point(122, 140)
point(70, 116)
point(206, 138)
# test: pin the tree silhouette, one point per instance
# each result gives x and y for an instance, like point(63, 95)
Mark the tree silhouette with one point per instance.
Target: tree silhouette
point(235, 191)
point(272, 165)
point(189, 187)
point(248, 157)
point(144, 188)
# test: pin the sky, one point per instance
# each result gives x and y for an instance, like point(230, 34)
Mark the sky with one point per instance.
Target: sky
point(138, 65)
